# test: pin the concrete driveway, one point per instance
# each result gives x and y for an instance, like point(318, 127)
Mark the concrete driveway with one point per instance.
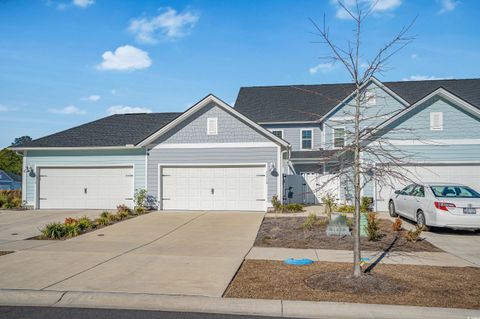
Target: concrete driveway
point(194, 253)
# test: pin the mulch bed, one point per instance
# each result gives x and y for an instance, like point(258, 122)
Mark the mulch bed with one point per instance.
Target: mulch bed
point(451, 287)
point(287, 232)
point(5, 252)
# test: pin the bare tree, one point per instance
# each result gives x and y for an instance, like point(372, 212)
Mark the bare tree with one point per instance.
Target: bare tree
point(360, 141)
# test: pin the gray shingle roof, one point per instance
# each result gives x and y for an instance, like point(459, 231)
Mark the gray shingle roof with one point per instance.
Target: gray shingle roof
point(311, 102)
point(115, 130)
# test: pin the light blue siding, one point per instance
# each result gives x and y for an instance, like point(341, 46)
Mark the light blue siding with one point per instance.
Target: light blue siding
point(34, 159)
point(291, 134)
point(372, 115)
point(230, 129)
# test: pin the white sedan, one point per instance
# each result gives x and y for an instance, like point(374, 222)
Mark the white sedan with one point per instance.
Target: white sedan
point(438, 204)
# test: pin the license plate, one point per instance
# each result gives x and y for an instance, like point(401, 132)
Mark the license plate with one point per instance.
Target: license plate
point(469, 210)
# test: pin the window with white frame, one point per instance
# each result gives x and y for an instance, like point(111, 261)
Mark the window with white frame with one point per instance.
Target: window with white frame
point(212, 126)
point(278, 133)
point(338, 137)
point(370, 98)
point(306, 139)
point(436, 121)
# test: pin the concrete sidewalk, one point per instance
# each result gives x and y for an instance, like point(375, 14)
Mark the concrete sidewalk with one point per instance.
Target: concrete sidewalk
point(277, 308)
point(406, 258)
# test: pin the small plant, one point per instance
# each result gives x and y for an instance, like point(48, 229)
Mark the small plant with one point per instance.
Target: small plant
point(366, 204)
point(70, 220)
point(124, 208)
point(397, 224)
point(276, 204)
point(140, 210)
point(372, 227)
point(140, 197)
point(72, 229)
point(102, 221)
point(10, 199)
point(346, 209)
point(54, 230)
point(122, 214)
point(310, 221)
point(350, 221)
point(414, 235)
point(3, 199)
point(85, 223)
point(109, 216)
point(329, 202)
point(293, 208)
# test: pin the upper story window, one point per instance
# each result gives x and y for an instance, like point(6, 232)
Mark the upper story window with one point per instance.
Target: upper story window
point(212, 126)
point(338, 137)
point(370, 98)
point(436, 121)
point(306, 139)
point(278, 133)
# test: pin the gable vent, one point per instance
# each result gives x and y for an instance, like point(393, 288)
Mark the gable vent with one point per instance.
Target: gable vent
point(212, 126)
point(436, 121)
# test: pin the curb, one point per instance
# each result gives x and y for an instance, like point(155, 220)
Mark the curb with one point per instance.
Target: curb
point(201, 304)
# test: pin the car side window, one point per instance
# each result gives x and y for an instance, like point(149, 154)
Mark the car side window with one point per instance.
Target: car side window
point(418, 191)
point(407, 190)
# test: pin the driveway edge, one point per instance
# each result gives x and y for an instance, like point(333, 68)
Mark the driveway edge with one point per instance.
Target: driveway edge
point(201, 304)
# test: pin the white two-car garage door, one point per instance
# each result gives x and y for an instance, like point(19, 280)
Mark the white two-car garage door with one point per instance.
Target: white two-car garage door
point(213, 188)
point(467, 174)
point(85, 187)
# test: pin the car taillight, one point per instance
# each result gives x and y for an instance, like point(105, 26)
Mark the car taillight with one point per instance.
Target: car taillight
point(444, 206)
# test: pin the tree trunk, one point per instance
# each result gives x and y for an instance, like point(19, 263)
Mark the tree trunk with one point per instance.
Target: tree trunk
point(357, 271)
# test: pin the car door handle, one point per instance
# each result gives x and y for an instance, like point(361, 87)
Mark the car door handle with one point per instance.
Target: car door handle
point(212, 191)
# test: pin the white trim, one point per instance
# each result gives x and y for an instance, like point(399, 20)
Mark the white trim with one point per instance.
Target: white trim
point(160, 166)
point(39, 167)
point(440, 92)
point(301, 138)
point(289, 122)
point(324, 136)
point(216, 145)
point(373, 80)
point(146, 168)
point(209, 99)
point(74, 148)
point(277, 130)
point(344, 136)
point(212, 121)
point(24, 178)
point(432, 120)
point(444, 142)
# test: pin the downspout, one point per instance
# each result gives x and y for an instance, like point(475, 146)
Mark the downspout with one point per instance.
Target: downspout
point(282, 188)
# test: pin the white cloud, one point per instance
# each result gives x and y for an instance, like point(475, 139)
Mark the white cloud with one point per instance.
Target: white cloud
point(424, 78)
point(167, 25)
point(378, 6)
point(414, 56)
point(83, 3)
point(93, 98)
point(4, 108)
point(125, 58)
point(68, 110)
point(124, 109)
point(113, 92)
point(447, 6)
point(322, 67)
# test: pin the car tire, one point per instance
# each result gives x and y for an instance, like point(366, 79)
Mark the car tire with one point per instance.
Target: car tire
point(391, 209)
point(421, 221)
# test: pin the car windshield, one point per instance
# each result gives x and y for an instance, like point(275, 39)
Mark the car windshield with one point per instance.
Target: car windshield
point(454, 191)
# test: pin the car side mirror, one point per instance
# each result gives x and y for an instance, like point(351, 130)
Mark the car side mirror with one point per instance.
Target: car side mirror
point(398, 192)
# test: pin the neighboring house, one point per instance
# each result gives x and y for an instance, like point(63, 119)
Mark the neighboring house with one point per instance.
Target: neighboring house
point(10, 181)
point(215, 157)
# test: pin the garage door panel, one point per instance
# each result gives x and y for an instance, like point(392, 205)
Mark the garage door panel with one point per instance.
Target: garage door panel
point(234, 188)
point(462, 174)
point(85, 187)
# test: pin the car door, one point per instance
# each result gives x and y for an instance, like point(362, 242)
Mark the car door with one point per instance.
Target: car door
point(403, 198)
point(415, 201)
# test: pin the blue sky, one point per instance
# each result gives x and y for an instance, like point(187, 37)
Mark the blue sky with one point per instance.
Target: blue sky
point(63, 63)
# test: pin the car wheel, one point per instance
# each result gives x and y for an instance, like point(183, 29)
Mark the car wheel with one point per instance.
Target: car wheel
point(391, 209)
point(421, 221)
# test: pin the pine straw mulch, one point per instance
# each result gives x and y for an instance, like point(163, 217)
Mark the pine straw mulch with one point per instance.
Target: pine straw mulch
point(287, 232)
point(427, 286)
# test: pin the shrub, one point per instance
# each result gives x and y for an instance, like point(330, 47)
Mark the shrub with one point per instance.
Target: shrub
point(140, 210)
point(397, 224)
point(10, 199)
point(293, 208)
point(71, 229)
point(366, 204)
point(329, 202)
point(122, 214)
point(372, 227)
point(3, 199)
point(140, 197)
point(350, 221)
point(102, 221)
point(310, 221)
point(414, 235)
point(109, 216)
point(346, 209)
point(85, 223)
point(17, 202)
point(70, 220)
point(124, 208)
point(54, 230)
point(276, 204)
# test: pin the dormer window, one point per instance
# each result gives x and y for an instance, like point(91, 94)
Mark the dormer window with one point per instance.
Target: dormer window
point(212, 126)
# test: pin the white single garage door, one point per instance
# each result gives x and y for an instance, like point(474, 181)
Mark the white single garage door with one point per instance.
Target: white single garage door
point(467, 174)
point(214, 188)
point(85, 187)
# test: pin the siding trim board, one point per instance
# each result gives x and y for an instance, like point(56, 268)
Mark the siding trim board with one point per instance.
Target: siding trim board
point(215, 145)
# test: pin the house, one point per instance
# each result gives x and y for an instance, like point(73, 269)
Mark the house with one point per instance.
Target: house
point(10, 181)
point(215, 157)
